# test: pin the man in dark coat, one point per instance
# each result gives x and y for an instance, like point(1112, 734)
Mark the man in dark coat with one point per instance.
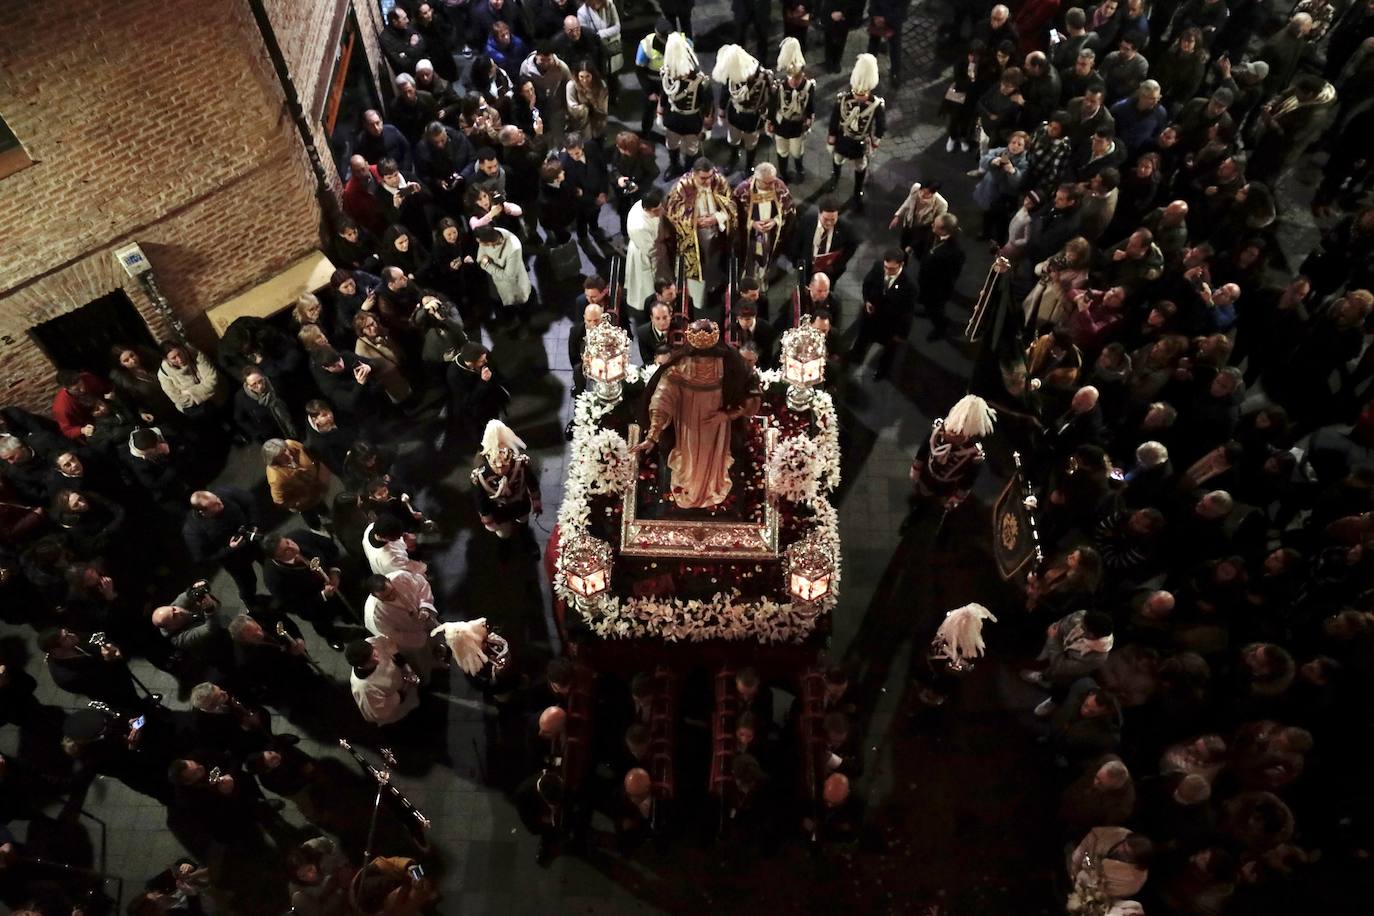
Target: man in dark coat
point(889, 300)
point(219, 530)
point(412, 108)
point(824, 242)
point(440, 159)
point(941, 264)
point(749, 328)
point(379, 140)
point(476, 395)
point(653, 334)
point(403, 46)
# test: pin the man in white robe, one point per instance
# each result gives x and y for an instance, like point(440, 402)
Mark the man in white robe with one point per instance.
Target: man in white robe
point(400, 605)
point(384, 545)
point(641, 254)
point(385, 689)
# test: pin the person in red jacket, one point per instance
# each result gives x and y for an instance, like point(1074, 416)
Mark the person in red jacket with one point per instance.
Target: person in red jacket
point(360, 198)
point(1032, 22)
point(71, 406)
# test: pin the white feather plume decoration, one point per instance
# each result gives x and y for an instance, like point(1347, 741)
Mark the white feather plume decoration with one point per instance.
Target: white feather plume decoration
point(734, 65)
point(960, 636)
point(971, 416)
point(790, 59)
point(497, 436)
point(467, 640)
point(678, 57)
point(864, 77)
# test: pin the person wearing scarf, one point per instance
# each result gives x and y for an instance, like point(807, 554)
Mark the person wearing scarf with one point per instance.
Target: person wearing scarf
point(917, 215)
point(1075, 646)
point(259, 413)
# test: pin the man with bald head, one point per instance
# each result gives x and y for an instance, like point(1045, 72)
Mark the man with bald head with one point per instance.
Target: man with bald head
point(592, 315)
point(547, 742)
point(378, 140)
point(359, 199)
point(1169, 225)
point(818, 295)
point(1081, 424)
point(837, 820)
point(634, 808)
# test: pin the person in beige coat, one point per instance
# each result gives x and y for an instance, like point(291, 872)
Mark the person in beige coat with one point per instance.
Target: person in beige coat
point(297, 481)
point(385, 355)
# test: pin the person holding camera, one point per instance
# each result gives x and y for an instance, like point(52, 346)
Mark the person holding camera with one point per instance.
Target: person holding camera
point(633, 171)
point(193, 627)
point(221, 528)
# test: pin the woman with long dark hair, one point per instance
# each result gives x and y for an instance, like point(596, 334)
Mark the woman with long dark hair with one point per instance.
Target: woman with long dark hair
point(134, 377)
point(451, 259)
point(588, 100)
point(400, 248)
point(527, 108)
point(1139, 194)
point(633, 171)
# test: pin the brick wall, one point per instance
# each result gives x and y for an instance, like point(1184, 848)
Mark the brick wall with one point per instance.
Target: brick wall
point(309, 32)
point(155, 121)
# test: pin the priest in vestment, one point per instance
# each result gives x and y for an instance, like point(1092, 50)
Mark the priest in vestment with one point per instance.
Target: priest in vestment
point(698, 222)
point(766, 212)
point(695, 397)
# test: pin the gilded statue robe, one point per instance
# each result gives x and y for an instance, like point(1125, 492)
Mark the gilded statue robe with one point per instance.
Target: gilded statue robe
point(689, 398)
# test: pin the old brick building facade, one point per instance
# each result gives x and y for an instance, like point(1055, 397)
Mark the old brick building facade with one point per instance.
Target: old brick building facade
point(162, 123)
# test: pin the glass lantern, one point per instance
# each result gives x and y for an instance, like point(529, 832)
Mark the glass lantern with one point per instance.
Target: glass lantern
point(803, 364)
point(605, 357)
point(809, 571)
point(586, 565)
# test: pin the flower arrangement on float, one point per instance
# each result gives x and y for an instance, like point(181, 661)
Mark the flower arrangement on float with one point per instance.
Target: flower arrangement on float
point(791, 469)
point(605, 455)
point(807, 472)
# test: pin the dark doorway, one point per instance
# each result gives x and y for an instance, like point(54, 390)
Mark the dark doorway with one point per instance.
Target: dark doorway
point(351, 92)
point(82, 339)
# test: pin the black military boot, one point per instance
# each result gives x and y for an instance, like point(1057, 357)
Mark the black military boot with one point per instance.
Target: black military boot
point(834, 181)
point(858, 203)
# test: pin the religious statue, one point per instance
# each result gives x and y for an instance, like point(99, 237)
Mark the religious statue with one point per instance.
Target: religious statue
point(699, 219)
point(697, 395)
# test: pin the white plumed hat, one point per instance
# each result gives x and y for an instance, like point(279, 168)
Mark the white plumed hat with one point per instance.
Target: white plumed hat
point(497, 436)
point(790, 59)
point(960, 636)
point(678, 57)
point(734, 65)
point(864, 78)
point(971, 416)
point(467, 640)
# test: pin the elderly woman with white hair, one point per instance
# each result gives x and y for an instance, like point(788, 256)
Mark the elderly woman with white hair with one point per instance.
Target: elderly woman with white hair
point(923, 204)
point(297, 481)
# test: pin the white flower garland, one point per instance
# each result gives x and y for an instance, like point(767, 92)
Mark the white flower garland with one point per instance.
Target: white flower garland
point(725, 615)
